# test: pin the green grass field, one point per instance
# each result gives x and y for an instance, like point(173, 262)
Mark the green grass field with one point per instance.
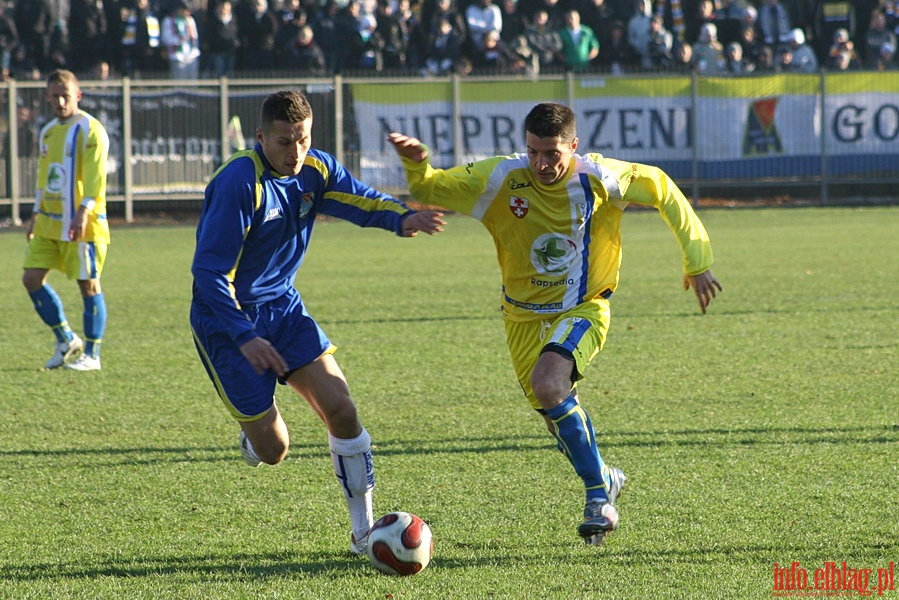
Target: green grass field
point(764, 432)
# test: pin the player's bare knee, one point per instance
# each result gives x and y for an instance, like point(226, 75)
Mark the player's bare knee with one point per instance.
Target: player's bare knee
point(340, 412)
point(342, 419)
point(89, 287)
point(272, 452)
point(549, 393)
point(273, 460)
point(32, 280)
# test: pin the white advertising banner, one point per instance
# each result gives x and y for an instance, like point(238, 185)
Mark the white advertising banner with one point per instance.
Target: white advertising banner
point(745, 128)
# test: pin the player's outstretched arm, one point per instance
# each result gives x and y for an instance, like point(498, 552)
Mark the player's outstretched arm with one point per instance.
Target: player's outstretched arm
point(429, 221)
point(408, 147)
point(705, 286)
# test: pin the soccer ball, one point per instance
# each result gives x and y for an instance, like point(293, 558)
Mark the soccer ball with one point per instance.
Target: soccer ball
point(400, 543)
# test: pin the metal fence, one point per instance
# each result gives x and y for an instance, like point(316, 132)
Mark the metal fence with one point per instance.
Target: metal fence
point(819, 138)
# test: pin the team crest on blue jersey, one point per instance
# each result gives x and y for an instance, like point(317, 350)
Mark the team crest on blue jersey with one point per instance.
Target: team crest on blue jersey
point(306, 204)
point(518, 206)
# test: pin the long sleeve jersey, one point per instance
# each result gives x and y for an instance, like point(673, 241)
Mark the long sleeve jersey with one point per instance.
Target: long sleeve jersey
point(72, 166)
point(559, 245)
point(255, 228)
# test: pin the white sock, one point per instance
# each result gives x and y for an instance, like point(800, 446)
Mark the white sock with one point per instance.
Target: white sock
point(355, 470)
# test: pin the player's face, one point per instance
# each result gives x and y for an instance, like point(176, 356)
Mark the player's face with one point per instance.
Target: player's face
point(285, 145)
point(549, 157)
point(63, 99)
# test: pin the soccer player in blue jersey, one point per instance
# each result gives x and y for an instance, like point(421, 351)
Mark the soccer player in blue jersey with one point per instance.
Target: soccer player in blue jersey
point(68, 229)
point(249, 323)
point(555, 220)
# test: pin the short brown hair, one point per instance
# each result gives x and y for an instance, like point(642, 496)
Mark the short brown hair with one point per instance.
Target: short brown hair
point(63, 76)
point(551, 119)
point(286, 105)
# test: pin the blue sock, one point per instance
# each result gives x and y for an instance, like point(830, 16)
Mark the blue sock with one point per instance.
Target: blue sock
point(94, 324)
point(577, 440)
point(49, 308)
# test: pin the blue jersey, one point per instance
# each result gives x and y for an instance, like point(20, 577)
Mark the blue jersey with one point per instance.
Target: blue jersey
point(255, 227)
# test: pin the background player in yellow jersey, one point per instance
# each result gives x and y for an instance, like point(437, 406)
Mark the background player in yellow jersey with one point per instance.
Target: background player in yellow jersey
point(555, 220)
point(68, 229)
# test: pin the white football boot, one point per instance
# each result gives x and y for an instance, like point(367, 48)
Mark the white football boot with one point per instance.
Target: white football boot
point(246, 450)
point(359, 546)
point(602, 517)
point(85, 362)
point(64, 352)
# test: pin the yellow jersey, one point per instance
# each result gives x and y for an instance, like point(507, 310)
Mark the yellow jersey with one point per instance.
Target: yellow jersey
point(71, 167)
point(559, 245)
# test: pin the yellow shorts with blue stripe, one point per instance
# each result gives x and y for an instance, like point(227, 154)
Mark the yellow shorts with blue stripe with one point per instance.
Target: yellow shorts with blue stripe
point(78, 260)
point(580, 333)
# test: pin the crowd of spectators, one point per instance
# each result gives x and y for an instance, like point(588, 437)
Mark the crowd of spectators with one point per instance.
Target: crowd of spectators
point(258, 38)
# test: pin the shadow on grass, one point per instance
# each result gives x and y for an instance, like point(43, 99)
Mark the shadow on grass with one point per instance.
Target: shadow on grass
point(263, 566)
point(761, 553)
point(237, 567)
point(713, 437)
point(717, 437)
point(868, 434)
point(611, 554)
point(144, 455)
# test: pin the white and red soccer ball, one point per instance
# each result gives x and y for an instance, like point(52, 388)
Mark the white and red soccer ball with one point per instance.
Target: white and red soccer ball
point(400, 543)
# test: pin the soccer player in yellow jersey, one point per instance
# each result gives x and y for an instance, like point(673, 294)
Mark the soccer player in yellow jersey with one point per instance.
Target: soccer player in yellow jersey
point(68, 229)
point(555, 220)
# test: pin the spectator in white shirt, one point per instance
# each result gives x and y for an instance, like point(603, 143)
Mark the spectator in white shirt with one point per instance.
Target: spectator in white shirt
point(481, 17)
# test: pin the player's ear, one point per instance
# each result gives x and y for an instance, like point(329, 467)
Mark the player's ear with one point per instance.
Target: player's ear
point(260, 135)
point(574, 143)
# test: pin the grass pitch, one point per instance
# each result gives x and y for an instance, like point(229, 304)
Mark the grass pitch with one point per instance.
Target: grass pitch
point(763, 433)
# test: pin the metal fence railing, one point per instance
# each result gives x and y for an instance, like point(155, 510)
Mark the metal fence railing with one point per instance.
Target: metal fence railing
point(822, 137)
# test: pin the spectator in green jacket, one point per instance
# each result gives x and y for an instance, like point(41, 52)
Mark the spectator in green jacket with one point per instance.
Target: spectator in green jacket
point(579, 43)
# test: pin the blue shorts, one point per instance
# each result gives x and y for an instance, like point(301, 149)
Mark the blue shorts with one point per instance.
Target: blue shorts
point(285, 323)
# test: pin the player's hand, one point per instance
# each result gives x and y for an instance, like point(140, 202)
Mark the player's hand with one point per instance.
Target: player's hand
point(262, 355)
point(429, 221)
point(29, 231)
point(408, 147)
point(79, 224)
point(704, 285)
